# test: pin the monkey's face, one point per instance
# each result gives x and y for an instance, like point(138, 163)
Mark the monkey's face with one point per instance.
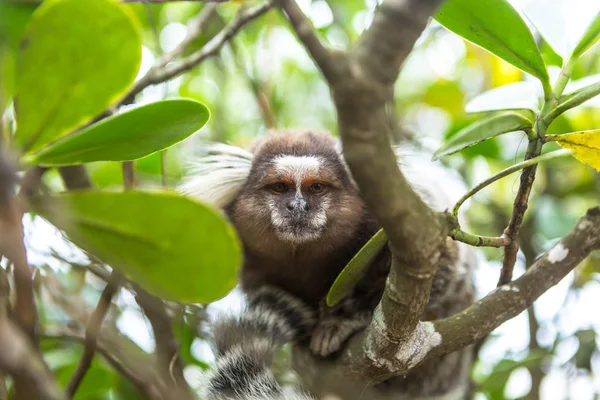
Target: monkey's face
point(299, 192)
point(293, 197)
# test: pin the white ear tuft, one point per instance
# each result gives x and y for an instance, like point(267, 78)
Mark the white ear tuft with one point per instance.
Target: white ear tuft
point(219, 176)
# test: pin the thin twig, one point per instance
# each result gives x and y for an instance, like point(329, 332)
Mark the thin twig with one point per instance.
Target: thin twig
point(195, 28)
point(323, 57)
point(262, 100)
point(19, 358)
point(161, 73)
point(167, 347)
point(92, 332)
point(128, 175)
point(478, 241)
point(123, 355)
point(508, 171)
point(75, 177)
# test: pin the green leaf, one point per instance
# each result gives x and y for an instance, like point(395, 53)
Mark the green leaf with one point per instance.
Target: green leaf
point(484, 129)
point(76, 59)
point(356, 268)
point(134, 134)
point(498, 28)
point(586, 145)
point(576, 98)
point(174, 247)
point(590, 37)
point(496, 382)
point(514, 96)
point(13, 19)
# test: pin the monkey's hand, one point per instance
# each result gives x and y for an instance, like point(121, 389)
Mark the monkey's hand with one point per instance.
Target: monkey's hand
point(332, 332)
point(335, 325)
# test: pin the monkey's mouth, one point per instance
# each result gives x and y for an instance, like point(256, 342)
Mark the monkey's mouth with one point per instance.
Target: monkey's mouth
point(298, 234)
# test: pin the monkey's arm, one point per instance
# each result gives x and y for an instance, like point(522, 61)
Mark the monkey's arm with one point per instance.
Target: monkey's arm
point(335, 325)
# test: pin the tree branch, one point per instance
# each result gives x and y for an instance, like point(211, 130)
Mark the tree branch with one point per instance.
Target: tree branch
point(415, 232)
point(325, 58)
point(161, 73)
point(396, 341)
point(11, 241)
point(20, 359)
point(194, 30)
point(362, 86)
point(432, 339)
point(123, 355)
point(92, 332)
point(511, 299)
point(167, 348)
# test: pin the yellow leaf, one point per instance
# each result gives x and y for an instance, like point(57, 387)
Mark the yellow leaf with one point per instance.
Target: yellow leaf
point(586, 146)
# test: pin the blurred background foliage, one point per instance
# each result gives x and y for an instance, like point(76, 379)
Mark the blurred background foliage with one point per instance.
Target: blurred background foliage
point(263, 80)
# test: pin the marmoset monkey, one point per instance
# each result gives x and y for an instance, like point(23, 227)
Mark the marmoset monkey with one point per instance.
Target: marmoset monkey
point(301, 219)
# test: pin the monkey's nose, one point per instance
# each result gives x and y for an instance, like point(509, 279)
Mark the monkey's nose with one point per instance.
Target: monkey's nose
point(297, 205)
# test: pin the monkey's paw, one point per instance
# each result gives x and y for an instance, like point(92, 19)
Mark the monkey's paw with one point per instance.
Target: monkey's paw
point(330, 335)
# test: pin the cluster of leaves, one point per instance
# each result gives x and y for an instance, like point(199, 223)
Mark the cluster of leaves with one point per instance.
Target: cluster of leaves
point(485, 25)
point(76, 60)
point(511, 108)
point(278, 73)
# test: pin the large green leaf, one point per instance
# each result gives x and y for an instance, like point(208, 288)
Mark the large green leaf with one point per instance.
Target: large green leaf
point(498, 28)
point(497, 124)
point(134, 134)
point(174, 247)
point(356, 268)
point(76, 59)
point(13, 19)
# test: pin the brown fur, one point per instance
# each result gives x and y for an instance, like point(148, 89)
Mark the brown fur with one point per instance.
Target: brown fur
point(306, 270)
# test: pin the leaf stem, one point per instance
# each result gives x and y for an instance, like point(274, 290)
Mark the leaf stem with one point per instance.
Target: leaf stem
point(508, 171)
point(572, 100)
point(562, 80)
point(478, 241)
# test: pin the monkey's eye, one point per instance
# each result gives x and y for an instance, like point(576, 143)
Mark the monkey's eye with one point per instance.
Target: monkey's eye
point(279, 187)
point(317, 187)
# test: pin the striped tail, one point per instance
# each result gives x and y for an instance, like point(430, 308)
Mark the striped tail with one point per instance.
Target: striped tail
point(245, 346)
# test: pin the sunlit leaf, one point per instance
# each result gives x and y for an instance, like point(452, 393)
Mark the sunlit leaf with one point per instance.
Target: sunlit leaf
point(486, 128)
point(498, 28)
point(356, 268)
point(517, 95)
point(174, 247)
point(134, 134)
point(76, 59)
point(586, 146)
point(495, 383)
point(583, 91)
point(13, 19)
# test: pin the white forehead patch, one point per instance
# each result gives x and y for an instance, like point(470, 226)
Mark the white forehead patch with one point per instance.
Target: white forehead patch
point(299, 167)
